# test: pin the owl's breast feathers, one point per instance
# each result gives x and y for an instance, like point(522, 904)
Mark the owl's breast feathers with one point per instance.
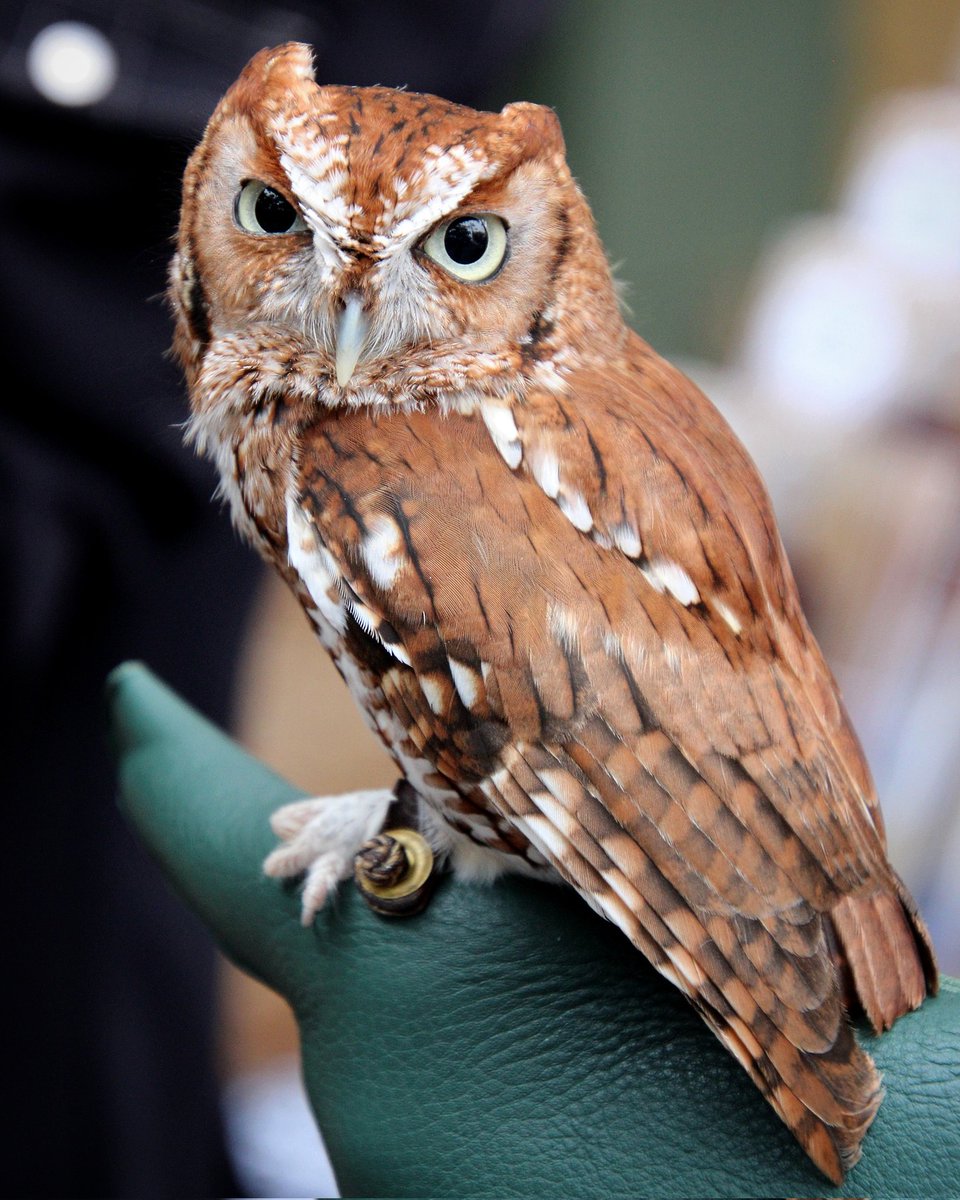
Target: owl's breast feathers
point(577, 607)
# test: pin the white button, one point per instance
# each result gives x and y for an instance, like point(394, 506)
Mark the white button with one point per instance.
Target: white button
point(72, 64)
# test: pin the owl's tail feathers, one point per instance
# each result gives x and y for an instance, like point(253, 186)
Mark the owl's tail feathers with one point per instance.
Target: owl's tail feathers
point(826, 1100)
point(886, 957)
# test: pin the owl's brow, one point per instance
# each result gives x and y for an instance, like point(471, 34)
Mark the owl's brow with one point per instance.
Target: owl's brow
point(445, 178)
point(407, 206)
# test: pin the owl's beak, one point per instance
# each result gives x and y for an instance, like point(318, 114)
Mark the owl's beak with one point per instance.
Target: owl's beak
point(352, 327)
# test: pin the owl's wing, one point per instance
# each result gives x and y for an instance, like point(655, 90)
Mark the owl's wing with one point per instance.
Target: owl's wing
point(580, 607)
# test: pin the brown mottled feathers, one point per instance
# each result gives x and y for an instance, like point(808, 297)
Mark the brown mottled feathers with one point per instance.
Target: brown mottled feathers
point(542, 561)
point(700, 786)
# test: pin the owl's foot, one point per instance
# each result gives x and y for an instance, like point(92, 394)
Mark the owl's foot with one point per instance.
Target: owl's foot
point(320, 838)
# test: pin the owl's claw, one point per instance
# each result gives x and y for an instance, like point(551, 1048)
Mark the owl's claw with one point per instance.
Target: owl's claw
point(320, 838)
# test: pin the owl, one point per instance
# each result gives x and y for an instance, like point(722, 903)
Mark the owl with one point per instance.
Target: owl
point(542, 562)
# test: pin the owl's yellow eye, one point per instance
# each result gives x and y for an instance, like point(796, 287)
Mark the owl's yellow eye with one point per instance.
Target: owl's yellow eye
point(263, 210)
point(470, 248)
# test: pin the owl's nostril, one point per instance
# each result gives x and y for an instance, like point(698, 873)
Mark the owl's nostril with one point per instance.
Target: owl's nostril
point(352, 327)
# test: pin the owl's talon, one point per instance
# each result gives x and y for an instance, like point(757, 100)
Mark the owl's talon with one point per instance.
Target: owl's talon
point(286, 862)
point(286, 822)
point(321, 880)
point(320, 838)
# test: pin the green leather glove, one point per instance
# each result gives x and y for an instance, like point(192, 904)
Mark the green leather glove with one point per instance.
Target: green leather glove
point(507, 1042)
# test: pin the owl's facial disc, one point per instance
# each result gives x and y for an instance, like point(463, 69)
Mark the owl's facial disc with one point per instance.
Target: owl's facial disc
point(393, 240)
point(470, 248)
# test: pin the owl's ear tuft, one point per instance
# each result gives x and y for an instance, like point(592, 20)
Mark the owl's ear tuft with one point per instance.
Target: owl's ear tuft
point(288, 65)
point(536, 126)
point(273, 70)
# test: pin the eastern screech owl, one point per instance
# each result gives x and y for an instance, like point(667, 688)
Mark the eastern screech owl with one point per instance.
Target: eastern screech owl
point(544, 565)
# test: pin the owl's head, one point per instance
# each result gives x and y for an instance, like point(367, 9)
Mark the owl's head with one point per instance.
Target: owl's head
point(383, 244)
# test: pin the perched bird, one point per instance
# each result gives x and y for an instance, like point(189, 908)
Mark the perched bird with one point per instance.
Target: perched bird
point(541, 560)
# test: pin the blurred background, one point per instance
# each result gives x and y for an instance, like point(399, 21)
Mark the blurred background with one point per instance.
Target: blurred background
point(779, 186)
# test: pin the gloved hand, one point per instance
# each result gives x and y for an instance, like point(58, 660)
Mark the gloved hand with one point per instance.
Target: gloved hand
point(506, 1042)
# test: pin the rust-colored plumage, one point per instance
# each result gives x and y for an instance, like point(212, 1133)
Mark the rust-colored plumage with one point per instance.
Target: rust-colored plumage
point(540, 558)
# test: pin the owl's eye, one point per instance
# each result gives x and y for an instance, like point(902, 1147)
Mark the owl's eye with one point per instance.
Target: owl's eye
point(470, 248)
point(262, 209)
